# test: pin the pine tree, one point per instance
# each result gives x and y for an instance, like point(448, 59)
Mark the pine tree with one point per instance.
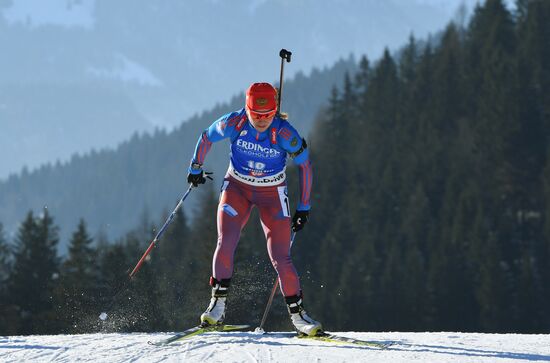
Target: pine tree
point(451, 279)
point(534, 111)
point(8, 315)
point(35, 274)
point(79, 276)
point(5, 255)
point(530, 314)
point(417, 228)
point(492, 289)
point(113, 264)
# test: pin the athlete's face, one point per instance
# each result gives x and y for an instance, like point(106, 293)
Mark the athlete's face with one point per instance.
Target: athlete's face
point(260, 122)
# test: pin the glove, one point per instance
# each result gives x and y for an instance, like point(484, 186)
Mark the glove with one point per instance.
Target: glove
point(197, 179)
point(299, 220)
point(197, 176)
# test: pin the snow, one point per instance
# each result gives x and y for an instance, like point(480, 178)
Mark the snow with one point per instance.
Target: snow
point(277, 347)
point(127, 70)
point(103, 316)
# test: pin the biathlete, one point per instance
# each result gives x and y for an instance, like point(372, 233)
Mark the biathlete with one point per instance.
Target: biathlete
point(261, 142)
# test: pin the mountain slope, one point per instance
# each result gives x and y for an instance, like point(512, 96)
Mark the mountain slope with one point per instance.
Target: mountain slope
point(161, 62)
point(111, 189)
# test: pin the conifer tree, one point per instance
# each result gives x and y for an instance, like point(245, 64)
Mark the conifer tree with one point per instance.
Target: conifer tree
point(79, 276)
point(529, 314)
point(416, 229)
point(35, 274)
point(8, 315)
point(4, 258)
point(534, 111)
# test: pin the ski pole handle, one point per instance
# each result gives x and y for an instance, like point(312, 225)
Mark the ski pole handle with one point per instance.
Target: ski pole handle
point(285, 55)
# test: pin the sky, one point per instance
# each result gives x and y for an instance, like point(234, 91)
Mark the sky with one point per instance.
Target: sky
point(69, 13)
point(86, 74)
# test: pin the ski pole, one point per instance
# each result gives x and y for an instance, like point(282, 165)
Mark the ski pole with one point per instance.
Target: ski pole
point(260, 329)
point(153, 243)
point(285, 55)
point(160, 232)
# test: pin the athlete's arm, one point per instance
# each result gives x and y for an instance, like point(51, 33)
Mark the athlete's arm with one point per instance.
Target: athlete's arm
point(221, 129)
point(296, 147)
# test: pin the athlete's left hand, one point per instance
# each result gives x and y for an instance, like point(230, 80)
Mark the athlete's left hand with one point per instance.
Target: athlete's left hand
point(299, 220)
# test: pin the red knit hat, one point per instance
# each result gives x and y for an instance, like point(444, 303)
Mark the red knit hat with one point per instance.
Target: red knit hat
point(261, 100)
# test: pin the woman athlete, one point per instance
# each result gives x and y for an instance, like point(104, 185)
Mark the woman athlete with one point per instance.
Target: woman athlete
point(261, 141)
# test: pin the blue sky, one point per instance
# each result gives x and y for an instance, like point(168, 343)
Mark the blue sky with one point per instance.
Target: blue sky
point(170, 59)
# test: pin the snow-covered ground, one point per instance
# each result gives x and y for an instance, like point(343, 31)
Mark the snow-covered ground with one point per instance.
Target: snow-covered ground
point(252, 347)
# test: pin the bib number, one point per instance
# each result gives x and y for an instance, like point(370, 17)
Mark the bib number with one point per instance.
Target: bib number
point(256, 165)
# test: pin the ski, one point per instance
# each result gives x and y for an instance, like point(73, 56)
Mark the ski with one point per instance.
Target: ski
point(332, 338)
point(199, 329)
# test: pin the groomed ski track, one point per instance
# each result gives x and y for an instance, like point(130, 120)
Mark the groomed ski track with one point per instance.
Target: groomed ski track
point(277, 347)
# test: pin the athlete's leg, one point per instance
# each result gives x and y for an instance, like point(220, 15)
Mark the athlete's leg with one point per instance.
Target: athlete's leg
point(275, 217)
point(233, 212)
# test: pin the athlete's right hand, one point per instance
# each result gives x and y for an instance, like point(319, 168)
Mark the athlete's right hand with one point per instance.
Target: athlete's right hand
point(197, 177)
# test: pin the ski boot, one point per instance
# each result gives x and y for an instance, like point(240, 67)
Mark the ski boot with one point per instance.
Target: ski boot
point(215, 313)
point(303, 324)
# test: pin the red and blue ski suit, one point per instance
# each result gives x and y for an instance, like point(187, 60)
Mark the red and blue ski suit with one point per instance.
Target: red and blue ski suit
point(256, 177)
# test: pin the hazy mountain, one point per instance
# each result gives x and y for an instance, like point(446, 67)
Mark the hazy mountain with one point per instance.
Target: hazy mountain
point(77, 74)
point(113, 189)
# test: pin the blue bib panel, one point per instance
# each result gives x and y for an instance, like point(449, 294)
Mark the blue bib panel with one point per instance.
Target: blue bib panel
point(255, 154)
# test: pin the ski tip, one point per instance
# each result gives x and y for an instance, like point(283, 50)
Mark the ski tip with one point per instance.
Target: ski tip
point(333, 338)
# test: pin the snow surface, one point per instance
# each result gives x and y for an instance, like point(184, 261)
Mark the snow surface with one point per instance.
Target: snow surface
point(276, 347)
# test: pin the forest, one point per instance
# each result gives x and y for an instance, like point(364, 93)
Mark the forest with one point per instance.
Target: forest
point(429, 209)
